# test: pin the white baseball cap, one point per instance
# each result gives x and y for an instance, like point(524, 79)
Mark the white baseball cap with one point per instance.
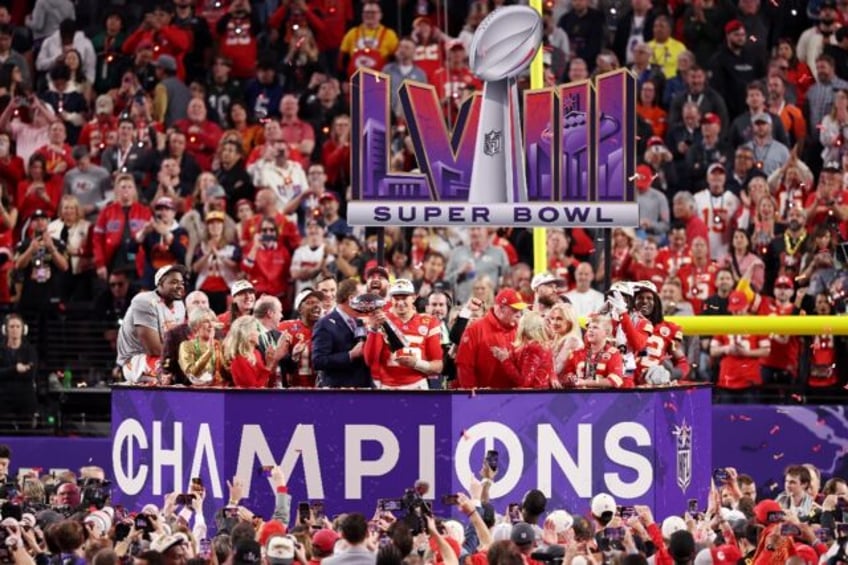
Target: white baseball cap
point(672, 524)
point(163, 271)
point(401, 286)
point(543, 279)
point(561, 520)
point(241, 286)
point(603, 503)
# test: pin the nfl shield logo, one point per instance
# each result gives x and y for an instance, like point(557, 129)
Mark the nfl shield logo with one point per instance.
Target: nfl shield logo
point(684, 455)
point(492, 142)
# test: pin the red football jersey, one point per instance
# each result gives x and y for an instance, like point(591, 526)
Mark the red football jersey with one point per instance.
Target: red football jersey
point(672, 260)
point(664, 339)
point(698, 283)
point(785, 349)
point(423, 334)
point(823, 362)
point(641, 272)
point(608, 363)
point(736, 372)
point(298, 332)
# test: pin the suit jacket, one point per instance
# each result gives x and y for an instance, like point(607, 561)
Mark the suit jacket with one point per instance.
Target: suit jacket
point(332, 340)
point(353, 556)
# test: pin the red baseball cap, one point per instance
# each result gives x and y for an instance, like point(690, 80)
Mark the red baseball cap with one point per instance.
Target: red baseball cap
point(510, 297)
point(784, 281)
point(726, 554)
point(655, 140)
point(737, 301)
point(328, 196)
point(325, 540)
point(711, 118)
point(644, 176)
point(764, 508)
point(733, 25)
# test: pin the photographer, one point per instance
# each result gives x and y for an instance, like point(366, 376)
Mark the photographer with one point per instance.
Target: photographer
point(40, 264)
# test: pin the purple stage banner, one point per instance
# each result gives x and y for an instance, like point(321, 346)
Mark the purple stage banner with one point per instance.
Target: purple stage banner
point(352, 449)
point(762, 441)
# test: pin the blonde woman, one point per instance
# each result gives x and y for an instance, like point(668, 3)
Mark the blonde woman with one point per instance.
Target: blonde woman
point(483, 290)
point(530, 364)
point(216, 261)
point(72, 229)
point(566, 338)
point(247, 366)
point(201, 356)
point(208, 196)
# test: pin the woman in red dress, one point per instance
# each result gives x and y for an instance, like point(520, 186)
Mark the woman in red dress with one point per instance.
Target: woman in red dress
point(530, 364)
point(248, 367)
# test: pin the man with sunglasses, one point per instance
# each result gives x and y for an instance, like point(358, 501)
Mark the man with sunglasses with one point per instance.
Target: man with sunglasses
point(409, 367)
point(268, 262)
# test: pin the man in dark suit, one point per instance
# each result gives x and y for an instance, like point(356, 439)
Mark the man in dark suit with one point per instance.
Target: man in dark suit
point(337, 342)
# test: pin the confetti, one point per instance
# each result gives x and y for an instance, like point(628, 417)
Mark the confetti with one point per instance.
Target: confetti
point(821, 421)
point(671, 406)
point(744, 418)
point(775, 3)
point(797, 398)
point(773, 486)
point(777, 456)
point(465, 435)
point(817, 447)
point(774, 430)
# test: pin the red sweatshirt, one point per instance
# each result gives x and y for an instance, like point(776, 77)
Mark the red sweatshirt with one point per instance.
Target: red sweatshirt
point(270, 271)
point(170, 40)
point(202, 144)
point(476, 367)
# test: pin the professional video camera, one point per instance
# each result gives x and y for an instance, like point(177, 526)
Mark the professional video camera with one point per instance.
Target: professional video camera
point(415, 508)
point(94, 492)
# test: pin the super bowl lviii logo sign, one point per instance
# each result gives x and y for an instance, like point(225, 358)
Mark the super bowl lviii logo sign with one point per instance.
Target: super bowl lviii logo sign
point(565, 159)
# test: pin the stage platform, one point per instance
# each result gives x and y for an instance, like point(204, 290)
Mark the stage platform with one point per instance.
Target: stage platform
point(351, 448)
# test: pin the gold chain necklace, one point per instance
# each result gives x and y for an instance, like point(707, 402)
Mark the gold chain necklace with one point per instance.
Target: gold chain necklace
point(792, 249)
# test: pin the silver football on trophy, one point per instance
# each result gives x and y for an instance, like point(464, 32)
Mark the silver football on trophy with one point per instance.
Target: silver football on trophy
point(505, 42)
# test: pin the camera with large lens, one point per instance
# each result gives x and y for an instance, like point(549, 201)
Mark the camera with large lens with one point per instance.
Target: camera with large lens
point(417, 509)
point(94, 492)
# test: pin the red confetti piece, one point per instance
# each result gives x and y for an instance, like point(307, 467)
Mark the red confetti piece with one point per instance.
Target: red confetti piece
point(774, 430)
point(820, 422)
point(744, 418)
point(817, 447)
point(777, 456)
point(775, 3)
point(797, 398)
point(465, 435)
point(671, 406)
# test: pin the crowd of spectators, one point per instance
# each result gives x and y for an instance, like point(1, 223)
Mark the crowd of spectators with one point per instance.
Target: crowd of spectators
point(68, 518)
point(179, 172)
